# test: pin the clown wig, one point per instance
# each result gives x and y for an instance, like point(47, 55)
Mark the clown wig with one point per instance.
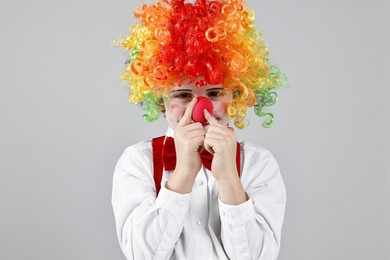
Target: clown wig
point(208, 42)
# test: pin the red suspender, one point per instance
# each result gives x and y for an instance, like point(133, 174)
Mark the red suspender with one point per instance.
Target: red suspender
point(157, 144)
point(238, 159)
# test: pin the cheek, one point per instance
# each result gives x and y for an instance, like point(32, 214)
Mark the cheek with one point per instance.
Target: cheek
point(176, 110)
point(220, 107)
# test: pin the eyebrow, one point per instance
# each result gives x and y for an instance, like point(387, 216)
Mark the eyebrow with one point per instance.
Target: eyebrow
point(190, 90)
point(181, 90)
point(214, 89)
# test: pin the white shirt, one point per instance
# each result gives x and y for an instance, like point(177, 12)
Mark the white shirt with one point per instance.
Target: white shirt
point(197, 225)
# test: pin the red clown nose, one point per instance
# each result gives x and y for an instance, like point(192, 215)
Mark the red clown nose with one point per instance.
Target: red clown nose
point(202, 104)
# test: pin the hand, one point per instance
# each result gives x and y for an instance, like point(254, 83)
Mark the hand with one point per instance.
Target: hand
point(222, 143)
point(189, 139)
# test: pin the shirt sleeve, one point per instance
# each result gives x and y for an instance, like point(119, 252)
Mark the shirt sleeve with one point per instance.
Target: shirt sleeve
point(252, 230)
point(147, 228)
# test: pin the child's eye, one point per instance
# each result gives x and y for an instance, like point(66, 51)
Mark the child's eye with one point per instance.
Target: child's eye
point(215, 94)
point(183, 95)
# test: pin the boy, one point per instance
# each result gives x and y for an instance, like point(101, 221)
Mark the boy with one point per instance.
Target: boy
point(196, 193)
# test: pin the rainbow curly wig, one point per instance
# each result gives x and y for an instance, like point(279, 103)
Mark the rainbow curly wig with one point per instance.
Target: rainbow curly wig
point(208, 42)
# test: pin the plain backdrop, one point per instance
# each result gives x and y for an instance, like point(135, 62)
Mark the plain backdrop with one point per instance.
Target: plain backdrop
point(65, 121)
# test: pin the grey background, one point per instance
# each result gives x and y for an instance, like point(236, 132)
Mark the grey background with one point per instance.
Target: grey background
point(65, 120)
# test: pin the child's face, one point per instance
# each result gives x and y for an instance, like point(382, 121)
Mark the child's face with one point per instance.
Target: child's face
point(179, 98)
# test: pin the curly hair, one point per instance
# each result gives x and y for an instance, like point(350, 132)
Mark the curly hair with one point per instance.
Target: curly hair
point(208, 42)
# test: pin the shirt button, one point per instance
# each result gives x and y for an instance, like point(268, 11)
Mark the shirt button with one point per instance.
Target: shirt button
point(223, 213)
point(200, 183)
point(199, 222)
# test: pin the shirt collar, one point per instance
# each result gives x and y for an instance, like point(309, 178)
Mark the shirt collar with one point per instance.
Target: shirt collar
point(169, 132)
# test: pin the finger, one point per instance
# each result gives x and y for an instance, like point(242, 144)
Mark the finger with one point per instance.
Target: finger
point(186, 119)
point(195, 133)
point(200, 142)
point(223, 130)
point(230, 128)
point(209, 148)
point(215, 136)
point(212, 120)
point(210, 143)
point(219, 127)
point(192, 127)
point(215, 144)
